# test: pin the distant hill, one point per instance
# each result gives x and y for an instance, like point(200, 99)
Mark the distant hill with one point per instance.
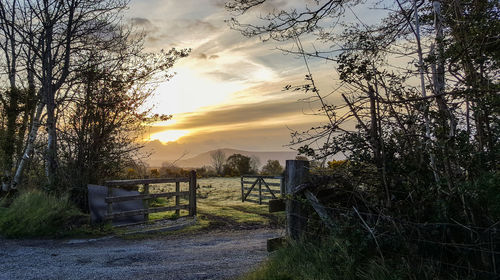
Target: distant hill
point(204, 159)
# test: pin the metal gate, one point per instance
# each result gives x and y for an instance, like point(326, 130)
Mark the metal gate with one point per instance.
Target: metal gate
point(272, 189)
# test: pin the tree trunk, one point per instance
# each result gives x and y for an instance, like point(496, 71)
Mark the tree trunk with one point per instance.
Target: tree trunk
point(424, 94)
point(29, 145)
point(51, 153)
point(8, 143)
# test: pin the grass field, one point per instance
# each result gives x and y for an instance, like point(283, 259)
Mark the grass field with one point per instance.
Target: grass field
point(219, 206)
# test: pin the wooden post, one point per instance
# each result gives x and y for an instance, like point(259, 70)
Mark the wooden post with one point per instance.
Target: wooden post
point(297, 172)
point(282, 186)
point(192, 193)
point(242, 190)
point(110, 204)
point(146, 202)
point(177, 198)
point(260, 190)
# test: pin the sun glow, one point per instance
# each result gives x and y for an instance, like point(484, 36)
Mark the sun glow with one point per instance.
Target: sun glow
point(189, 90)
point(168, 135)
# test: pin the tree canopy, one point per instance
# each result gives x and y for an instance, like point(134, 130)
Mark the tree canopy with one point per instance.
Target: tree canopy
point(78, 69)
point(414, 108)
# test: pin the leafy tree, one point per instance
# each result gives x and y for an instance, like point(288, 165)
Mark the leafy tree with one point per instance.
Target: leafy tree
point(239, 164)
point(154, 173)
point(272, 167)
point(228, 171)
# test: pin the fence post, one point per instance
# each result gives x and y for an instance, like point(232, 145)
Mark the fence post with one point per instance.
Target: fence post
point(242, 190)
point(110, 205)
point(282, 185)
point(177, 197)
point(296, 173)
point(192, 193)
point(145, 202)
point(260, 191)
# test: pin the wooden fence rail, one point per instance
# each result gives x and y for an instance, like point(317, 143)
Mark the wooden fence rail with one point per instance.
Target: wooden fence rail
point(146, 196)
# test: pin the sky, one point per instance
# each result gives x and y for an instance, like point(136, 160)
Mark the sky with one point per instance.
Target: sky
point(229, 92)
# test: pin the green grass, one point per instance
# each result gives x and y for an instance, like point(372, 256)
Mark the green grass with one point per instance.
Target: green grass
point(330, 259)
point(220, 202)
point(37, 214)
point(219, 206)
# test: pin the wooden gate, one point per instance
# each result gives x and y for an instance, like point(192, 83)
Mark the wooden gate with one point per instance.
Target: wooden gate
point(146, 196)
point(266, 190)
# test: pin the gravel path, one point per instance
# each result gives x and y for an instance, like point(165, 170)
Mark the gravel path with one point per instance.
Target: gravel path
point(221, 255)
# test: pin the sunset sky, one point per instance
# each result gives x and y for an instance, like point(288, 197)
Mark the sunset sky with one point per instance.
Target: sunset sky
point(229, 92)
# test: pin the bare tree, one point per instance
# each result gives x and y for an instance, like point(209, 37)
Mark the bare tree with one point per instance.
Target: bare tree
point(15, 100)
point(57, 34)
point(218, 159)
point(254, 164)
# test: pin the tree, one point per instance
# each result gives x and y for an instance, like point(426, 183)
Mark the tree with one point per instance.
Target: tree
point(218, 159)
point(106, 115)
point(254, 164)
point(272, 167)
point(370, 82)
point(418, 90)
point(17, 97)
point(239, 163)
point(53, 36)
point(49, 46)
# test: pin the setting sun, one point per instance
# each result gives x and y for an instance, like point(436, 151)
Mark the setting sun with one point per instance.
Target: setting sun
point(168, 135)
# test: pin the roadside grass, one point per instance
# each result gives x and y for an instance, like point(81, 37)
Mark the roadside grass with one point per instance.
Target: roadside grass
point(329, 259)
point(37, 214)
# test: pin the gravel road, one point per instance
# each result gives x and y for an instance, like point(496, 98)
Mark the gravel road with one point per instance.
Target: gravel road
point(219, 255)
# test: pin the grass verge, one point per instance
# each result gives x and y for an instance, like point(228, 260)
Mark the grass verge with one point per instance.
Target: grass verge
point(329, 259)
point(37, 214)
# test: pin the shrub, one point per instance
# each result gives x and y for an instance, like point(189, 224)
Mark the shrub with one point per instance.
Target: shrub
point(37, 214)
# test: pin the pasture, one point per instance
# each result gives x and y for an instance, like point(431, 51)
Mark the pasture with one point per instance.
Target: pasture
point(219, 206)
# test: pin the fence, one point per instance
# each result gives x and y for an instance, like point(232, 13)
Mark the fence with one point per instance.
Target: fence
point(146, 196)
point(259, 182)
point(468, 250)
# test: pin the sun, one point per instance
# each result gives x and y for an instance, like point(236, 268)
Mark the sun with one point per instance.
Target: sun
point(168, 135)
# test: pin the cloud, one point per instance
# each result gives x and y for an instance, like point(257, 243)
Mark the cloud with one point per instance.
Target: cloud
point(144, 24)
point(140, 21)
point(204, 56)
point(198, 25)
point(269, 138)
point(219, 3)
point(225, 76)
point(240, 115)
point(245, 74)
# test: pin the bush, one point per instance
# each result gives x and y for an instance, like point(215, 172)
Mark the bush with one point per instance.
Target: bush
point(37, 214)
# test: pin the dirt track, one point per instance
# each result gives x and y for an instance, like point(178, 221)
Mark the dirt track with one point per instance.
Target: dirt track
point(221, 255)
